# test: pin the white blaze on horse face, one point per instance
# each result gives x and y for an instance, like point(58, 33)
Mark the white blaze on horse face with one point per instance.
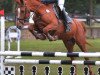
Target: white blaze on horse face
point(31, 17)
point(18, 12)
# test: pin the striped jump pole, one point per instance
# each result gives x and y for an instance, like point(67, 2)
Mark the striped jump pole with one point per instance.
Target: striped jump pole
point(50, 54)
point(62, 62)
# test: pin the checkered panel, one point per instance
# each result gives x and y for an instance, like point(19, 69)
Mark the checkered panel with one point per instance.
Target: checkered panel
point(9, 70)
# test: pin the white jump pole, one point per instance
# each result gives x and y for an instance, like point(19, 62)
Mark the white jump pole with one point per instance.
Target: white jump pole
point(2, 23)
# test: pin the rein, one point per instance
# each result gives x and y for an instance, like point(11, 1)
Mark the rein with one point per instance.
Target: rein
point(23, 19)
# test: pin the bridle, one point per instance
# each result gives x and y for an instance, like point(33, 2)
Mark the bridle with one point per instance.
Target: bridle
point(25, 12)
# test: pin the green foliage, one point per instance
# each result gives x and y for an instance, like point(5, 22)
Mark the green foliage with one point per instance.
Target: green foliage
point(7, 5)
point(78, 6)
point(72, 6)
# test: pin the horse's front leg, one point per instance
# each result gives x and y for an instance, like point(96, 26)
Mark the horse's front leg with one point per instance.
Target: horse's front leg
point(90, 68)
point(35, 32)
point(69, 44)
point(50, 30)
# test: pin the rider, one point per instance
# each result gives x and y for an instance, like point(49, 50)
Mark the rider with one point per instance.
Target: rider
point(66, 18)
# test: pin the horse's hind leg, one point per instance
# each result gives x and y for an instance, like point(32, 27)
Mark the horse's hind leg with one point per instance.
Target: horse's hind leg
point(70, 45)
point(82, 46)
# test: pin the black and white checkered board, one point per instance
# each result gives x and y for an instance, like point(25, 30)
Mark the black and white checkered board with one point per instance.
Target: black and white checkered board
point(9, 70)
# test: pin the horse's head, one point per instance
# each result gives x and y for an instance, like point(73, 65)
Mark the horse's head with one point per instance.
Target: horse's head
point(22, 15)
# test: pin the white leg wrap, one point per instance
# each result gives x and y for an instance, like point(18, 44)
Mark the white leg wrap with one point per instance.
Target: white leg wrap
point(31, 17)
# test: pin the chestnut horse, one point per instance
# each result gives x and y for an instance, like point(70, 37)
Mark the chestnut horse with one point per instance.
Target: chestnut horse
point(47, 24)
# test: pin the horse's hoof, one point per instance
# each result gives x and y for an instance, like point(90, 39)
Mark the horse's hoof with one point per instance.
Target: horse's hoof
point(40, 36)
point(54, 38)
point(91, 73)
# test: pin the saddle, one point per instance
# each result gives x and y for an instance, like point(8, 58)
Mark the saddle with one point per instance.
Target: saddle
point(61, 15)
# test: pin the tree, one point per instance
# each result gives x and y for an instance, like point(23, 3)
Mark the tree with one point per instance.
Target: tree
point(72, 6)
point(2, 0)
point(80, 6)
point(7, 5)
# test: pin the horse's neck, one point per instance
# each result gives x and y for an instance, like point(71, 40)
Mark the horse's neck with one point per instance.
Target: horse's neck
point(45, 9)
point(49, 6)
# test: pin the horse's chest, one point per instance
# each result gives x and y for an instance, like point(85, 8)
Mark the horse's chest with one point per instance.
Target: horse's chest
point(40, 24)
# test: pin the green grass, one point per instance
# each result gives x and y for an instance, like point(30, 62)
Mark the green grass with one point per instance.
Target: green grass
point(37, 45)
point(7, 24)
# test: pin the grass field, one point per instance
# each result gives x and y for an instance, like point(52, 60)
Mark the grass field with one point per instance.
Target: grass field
point(37, 45)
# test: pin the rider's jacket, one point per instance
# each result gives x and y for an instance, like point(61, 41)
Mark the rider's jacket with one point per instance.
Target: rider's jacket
point(49, 1)
point(60, 3)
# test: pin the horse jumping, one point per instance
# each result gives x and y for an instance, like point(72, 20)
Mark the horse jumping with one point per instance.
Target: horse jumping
point(47, 24)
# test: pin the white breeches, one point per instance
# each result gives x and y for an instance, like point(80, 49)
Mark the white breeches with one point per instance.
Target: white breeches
point(61, 4)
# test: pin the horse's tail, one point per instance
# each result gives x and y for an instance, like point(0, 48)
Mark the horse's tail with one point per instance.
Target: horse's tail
point(84, 26)
point(80, 22)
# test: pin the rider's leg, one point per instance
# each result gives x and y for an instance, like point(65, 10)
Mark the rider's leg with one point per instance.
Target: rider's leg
point(67, 19)
point(61, 4)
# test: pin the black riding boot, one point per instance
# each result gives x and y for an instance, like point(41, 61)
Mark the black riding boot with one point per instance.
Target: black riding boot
point(67, 20)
